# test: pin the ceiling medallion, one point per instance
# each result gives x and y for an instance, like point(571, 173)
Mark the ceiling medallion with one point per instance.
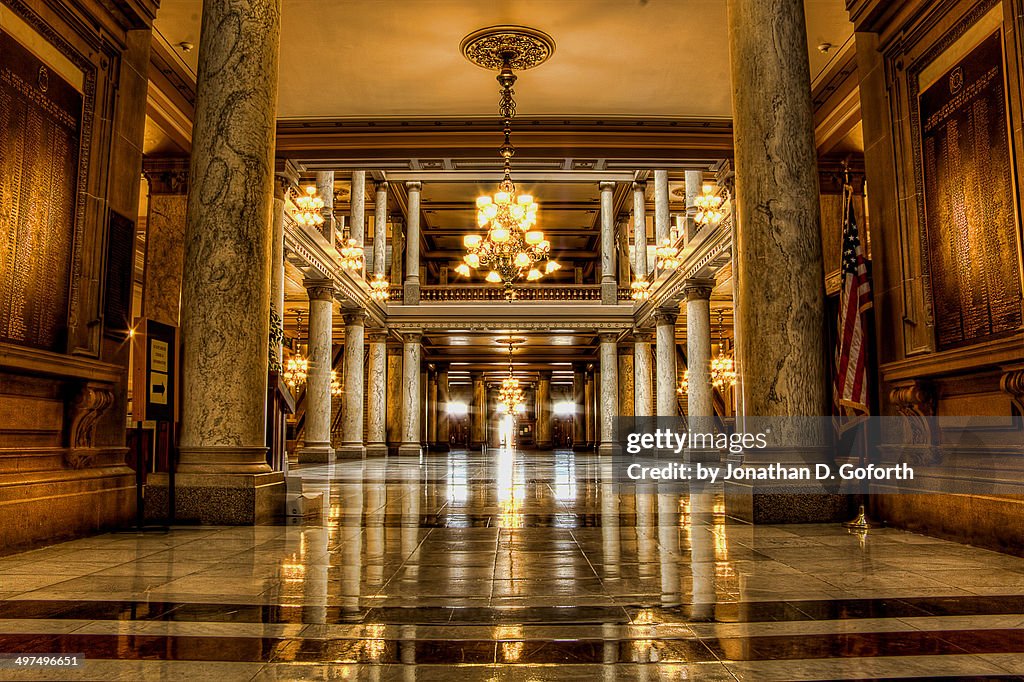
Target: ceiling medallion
point(523, 47)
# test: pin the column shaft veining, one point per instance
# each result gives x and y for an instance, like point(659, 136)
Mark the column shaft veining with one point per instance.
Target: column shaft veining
point(639, 230)
point(317, 446)
point(609, 283)
point(643, 401)
point(380, 227)
point(609, 392)
point(353, 396)
point(225, 303)
point(376, 386)
point(665, 341)
point(411, 408)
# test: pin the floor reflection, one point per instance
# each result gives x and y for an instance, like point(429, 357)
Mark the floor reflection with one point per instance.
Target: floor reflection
point(519, 558)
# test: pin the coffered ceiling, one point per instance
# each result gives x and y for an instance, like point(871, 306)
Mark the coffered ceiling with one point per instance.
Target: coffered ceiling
point(376, 59)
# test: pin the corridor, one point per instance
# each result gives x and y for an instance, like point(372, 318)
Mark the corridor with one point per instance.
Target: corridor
point(446, 568)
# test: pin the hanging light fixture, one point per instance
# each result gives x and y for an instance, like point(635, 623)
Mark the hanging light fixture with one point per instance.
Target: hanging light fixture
point(351, 256)
point(512, 248)
point(510, 395)
point(640, 290)
point(684, 383)
point(336, 389)
point(709, 207)
point(723, 371)
point(380, 287)
point(297, 369)
point(668, 255)
point(309, 206)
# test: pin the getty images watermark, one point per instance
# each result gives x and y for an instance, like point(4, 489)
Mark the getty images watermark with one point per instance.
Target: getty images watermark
point(665, 440)
point(888, 455)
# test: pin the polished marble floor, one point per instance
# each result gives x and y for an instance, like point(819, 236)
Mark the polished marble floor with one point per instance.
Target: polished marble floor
point(512, 565)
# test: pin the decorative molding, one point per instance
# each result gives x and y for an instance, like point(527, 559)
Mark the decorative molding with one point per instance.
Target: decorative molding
point(915, 401)
point(698, 289)
point(167, 175)
point(92, 400)
point(1012, 383)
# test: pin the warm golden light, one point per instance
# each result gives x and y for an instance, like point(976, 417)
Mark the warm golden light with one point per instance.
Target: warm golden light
point(471, 241)
point(309, 207)
point(493, 277)
point(379, 287)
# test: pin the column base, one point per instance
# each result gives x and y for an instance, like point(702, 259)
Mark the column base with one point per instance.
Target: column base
point(350, 451)
point(411, 293)
point(440, 447)
point(410, 450)
point(786, 503)
point(377, 450)
point(218, 499)
point(608, 450)
point(609, 293)
point(315, 454)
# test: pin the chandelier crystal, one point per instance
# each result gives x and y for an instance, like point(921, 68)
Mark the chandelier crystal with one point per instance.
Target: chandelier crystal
point(709, 207)
point(512, 248)
point(309, 207)
point(640, 290)
point(297, 369)
point(379, 287)
point(668, 255)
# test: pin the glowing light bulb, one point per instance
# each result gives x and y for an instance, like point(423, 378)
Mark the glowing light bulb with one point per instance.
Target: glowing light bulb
point(533, 275)
point(534, 237)
point(499, 235)
point(493, 277)
point(522, 260)
point(471, 241)
point(483, 201)
point(472, 260)
point(552, 266)
point(463, 270)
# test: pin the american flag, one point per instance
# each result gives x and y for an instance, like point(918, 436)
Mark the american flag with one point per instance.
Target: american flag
point(850, 386)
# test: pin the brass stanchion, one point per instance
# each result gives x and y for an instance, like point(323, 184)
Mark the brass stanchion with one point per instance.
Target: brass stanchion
point(861, 522)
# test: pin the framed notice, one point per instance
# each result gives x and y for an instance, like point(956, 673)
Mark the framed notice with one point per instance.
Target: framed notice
point(154, 379)
point(970, 203)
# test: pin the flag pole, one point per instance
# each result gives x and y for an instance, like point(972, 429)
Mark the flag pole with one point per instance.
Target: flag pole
point(860, 523)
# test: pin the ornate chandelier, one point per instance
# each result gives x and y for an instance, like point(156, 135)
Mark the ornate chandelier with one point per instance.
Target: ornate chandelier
point(309, 207)
point(512, 248)
point(379, 287)
point(298, 365)
point(723, 371)
point(668, 255)
point(351, 256)
point(709, 207)
point(640, 290)
point(511, 395)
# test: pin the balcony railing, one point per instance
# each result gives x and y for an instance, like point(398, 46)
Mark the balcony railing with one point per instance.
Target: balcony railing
point(449, 293)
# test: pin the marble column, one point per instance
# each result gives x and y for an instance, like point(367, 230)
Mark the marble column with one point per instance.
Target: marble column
point(317, 445)
point(609, 392)
point(357, 208)
point(478, 412)
point(165, 238)
point(626, 376)
point(411, 445)
point(443, 398)
point(661, 226)
point(222, 475)
point(778, 256)
point(432, 411)
point(282, 182)
point(352, 409)
point(397, 248)
point(380, 227)
point(694, 188)
point(665, 341)
point(376, 385)
point(394, 396)
point(325, 188)
point(643, 401)
point(639, 230)
point(609, 284)
point(588, 391)
point(579, 422)
point(412, 245)
point(543, 410)
point(699, 393)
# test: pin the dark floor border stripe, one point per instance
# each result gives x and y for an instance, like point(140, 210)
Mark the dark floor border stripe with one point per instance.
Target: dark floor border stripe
point(549, 651)
point(725, 612)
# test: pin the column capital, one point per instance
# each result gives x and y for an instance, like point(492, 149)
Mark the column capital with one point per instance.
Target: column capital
point(608, 337)
point(698, 289)
point(606, 186)
point(380, 186)
point(643, 335)
point(167, 175)
point(666, 315)
point(412, 336)
point(319, 289)
point(354, 317)
point(413, 185)
point(639, 185)
point(376, 336)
